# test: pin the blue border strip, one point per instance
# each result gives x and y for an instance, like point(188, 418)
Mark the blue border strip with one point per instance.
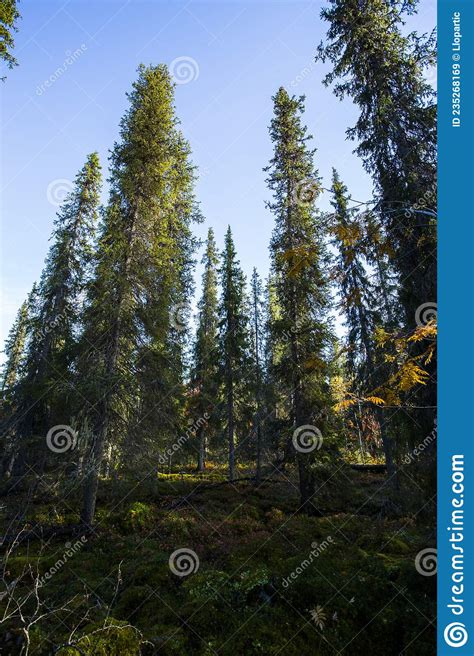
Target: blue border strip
point(456, 323)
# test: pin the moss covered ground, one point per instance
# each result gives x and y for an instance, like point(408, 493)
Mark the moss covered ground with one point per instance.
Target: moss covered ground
point(265, 578)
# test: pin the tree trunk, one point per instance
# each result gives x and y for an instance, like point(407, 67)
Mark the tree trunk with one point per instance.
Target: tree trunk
point(230, 421)
point(258, 473)
point(307, 485)
point(202, 450)
point(373, 367)
point(91, 479)
point(388, 451)
point(94, 462)
point(93, 465)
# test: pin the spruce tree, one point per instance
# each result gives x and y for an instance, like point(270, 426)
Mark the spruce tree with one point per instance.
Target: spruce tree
point(14, 350)
point(356, 291)
point(15, 347)
point(358, 302)
point(381, 69)
point(300, 330)
point(204, 382)
point(43, 399)
point(143, 273)
point(257, 327)
point(274, 389)
point(233, 340)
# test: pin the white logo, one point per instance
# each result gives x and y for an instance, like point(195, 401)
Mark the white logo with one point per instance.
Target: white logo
point(306, 191)
point(184, 70)
point(307, 438)
point(178, 316)
point(183, 562)
point(425, 313)
point(58, 191)
point(426, 562)
point(455, 634)
point(61, 438)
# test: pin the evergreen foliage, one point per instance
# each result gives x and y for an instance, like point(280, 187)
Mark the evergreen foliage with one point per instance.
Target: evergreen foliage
point(300, 329)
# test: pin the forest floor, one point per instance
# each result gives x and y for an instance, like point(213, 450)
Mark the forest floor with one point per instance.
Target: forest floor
point(263, 578)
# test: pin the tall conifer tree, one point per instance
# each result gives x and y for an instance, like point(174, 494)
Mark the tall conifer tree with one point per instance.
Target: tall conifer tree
point(233, 340)
point(204, 374)
point(382, 70)
point(300, 330)
point(143, 274)
point(381, 67)
point(257, 373)
point(14, 349)
point(43, 397)
point(358, 302)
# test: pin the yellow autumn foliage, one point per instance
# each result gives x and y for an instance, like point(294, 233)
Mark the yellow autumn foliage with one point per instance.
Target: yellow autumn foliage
point(428, 331)
point(409, 370)
point(349, 235)
point(299, 258)
point(411, 374)
point(376, 400)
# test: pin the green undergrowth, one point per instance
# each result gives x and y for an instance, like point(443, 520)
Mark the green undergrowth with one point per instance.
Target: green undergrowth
point(270, 580)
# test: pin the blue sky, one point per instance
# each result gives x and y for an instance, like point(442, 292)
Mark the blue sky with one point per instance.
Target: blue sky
point(236, 54)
